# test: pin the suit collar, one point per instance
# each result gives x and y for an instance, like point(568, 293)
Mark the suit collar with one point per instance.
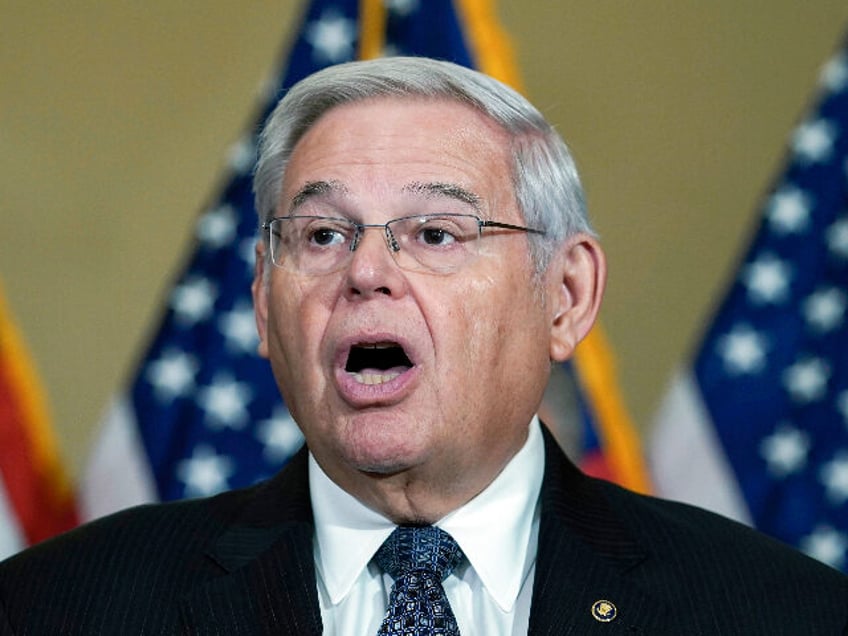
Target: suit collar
point(585, 555)
point(265, 581)
point(266, 575)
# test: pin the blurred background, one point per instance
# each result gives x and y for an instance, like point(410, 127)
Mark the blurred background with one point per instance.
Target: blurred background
point(116, 120)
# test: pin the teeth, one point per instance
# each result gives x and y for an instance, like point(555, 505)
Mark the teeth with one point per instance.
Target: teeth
point(374, 378)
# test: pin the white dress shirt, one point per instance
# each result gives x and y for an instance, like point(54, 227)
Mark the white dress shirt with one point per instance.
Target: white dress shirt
point(489, 593)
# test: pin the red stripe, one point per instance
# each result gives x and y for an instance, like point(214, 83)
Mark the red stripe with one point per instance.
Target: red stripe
point(42, 511)
point(596, 464)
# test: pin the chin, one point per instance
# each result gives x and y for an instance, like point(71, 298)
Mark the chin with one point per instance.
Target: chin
point(384, 456)
point(381, 462)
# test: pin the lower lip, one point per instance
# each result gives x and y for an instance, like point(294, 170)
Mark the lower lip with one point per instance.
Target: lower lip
point(361, 395)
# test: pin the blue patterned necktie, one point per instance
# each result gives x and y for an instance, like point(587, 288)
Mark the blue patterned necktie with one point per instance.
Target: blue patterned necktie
point(418, 558)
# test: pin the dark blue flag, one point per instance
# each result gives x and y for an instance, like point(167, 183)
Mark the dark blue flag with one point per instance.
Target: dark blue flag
point(759, 429)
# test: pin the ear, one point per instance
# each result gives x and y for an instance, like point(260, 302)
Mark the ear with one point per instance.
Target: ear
point(576, 277)
point(259, 290)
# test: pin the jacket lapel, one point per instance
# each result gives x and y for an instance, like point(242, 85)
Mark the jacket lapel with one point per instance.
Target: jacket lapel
point(585, 556)
point(266, 582)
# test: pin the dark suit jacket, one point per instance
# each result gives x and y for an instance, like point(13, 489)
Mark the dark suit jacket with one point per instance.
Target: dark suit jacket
point(242, 563)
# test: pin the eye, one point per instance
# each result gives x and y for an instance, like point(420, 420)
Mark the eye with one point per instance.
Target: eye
point(436, 236)
point(325, 233)
point(440, 232)
point(325, 236)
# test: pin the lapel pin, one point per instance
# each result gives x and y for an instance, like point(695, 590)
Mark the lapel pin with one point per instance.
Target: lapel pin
point(604, 611)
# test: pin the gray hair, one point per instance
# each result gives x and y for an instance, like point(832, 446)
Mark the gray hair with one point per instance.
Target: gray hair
point(547, 187)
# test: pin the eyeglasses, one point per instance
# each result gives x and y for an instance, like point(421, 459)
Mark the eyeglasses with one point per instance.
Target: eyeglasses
point(436, 243)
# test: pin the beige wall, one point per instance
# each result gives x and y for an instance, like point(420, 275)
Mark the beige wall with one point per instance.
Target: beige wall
point(115, 120)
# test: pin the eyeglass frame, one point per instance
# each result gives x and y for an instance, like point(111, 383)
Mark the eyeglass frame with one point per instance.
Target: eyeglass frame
point(392, 243)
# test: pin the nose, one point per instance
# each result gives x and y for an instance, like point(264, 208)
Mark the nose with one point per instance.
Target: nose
point(372, 272)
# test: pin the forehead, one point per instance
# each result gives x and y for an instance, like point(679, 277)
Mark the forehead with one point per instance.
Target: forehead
point(439, 112)
point(387, 140)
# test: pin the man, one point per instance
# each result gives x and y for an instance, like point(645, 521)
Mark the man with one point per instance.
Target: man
point(425, 256)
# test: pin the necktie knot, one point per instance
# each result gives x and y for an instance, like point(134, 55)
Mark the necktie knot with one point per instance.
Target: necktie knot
point(411, 548)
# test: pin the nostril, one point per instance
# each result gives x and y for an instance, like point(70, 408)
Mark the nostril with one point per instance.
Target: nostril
point(356, 291)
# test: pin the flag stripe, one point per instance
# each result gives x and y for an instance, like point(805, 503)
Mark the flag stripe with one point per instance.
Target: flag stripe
point(492, 49)
point(373, 29)
point(704, 478)
point(37, 488)
point(619, 441)
point(11, 538)
point(118, 473)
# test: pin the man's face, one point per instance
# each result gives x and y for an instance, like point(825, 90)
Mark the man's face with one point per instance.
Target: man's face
point(398, 377)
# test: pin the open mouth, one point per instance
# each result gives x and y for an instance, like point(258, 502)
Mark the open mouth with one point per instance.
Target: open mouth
point(377, 363)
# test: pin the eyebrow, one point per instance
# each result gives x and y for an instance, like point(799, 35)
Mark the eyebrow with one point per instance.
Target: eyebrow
point(316, 189)
point(450, 190)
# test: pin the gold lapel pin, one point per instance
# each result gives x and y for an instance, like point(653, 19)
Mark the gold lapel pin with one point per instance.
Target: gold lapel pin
point(604, 611)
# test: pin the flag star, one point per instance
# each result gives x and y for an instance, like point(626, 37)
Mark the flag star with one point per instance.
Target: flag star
point(239, 328)
point(217, 227)
point(225, 402)
point(402, 7)
point(172, 375)
point(806, 380)
point(205, 473)
point(193, 300)
point(785, 450)
point(813, 140)
point(834, 75)
point(280, 435)
point(332, 37)
point(767, 280)
point(743, 350)
point(826, 544)
point(242, 154)
point(247, 251)
point(825, 309)
point(789, 210)
point(837, 238)
point(834, 477)
point(391, 50)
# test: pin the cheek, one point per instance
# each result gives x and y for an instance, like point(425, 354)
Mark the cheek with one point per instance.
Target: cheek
point(297, 319)
point(468, 325)
point(505, 327)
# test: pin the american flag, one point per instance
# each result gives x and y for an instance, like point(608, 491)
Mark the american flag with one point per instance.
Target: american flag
point(759, 427)
point(203, 413)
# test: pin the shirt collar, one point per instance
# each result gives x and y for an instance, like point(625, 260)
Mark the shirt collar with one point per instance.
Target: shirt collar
point(347, 533)
point(496, 530)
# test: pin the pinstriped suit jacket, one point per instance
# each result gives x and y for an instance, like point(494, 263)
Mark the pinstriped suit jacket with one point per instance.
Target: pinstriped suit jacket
point(242, 563)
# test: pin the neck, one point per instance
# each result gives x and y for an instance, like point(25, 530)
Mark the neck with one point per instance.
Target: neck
point(423, 494)
point(406, 499)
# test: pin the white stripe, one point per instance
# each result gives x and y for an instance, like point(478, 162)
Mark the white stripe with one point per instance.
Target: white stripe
point(118, 474)
point(686, 457)
point(11, 537)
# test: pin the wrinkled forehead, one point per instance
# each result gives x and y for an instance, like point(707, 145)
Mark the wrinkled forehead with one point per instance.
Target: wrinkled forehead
point(444, 107)
point(425, 146)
